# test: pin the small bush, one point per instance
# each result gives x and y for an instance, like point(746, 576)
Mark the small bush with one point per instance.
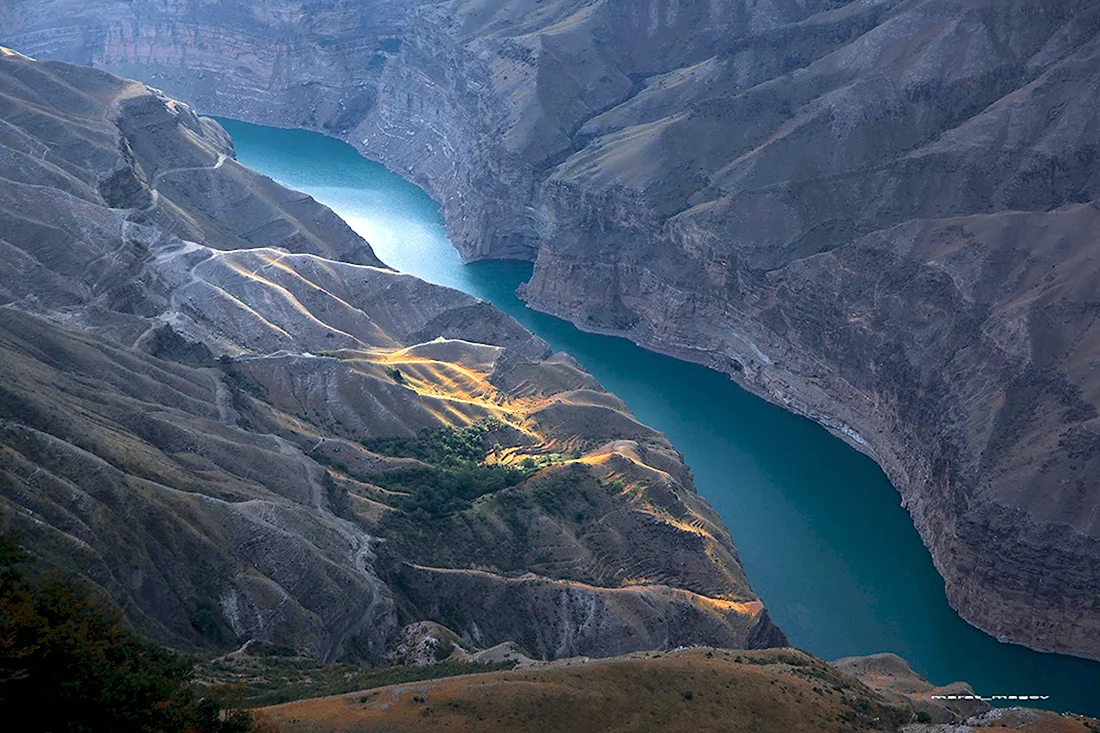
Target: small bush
point(238, 381)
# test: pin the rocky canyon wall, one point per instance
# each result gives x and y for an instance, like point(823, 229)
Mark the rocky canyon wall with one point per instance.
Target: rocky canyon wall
point(880, 214)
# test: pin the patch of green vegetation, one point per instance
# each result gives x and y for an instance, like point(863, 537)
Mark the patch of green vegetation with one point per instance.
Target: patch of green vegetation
point(618, 485)
point(549, 494)
point(238, 381)
point(396, 375)
point(557, 490)
point(208, 621)
point(275, 680)
point(515, 510)
point(449, 615)
point(444, 446)
point(545, 459)
point(73, 666)
point(433, 492)
point(455, 475)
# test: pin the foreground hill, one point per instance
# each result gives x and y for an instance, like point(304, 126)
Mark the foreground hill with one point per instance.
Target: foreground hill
point(780, 691)
point(218, 406)
point(880, 214)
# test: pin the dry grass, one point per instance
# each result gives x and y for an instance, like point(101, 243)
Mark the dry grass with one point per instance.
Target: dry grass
point(692, 690)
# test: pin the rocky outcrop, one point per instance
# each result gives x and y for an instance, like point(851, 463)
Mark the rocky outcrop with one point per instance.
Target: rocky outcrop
point(879, 214)
point(891, 676)
point(210, 388)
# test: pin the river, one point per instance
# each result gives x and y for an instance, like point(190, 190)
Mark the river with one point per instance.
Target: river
point(819, 528)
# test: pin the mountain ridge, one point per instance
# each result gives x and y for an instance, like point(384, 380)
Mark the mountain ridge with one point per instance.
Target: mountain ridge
point(207, 383)
point(877, 214)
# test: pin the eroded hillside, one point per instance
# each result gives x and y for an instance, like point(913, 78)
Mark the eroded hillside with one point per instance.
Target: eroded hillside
point(880, 214)
point(221, 408)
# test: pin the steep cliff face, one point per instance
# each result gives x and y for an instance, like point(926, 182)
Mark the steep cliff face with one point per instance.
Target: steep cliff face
point(898, 239)
point(221, 408)
point(880, 214)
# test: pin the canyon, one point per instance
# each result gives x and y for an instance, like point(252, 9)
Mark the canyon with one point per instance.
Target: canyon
point(879, 214)
point(224, 413)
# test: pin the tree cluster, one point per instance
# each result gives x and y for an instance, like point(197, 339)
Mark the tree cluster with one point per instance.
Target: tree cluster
point(71, 665)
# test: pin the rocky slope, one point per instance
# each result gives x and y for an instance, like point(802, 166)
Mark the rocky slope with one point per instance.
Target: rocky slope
point(219, 407)
point(881, 213)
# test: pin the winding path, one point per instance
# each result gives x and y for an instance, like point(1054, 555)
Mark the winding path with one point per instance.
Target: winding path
point(222, 157)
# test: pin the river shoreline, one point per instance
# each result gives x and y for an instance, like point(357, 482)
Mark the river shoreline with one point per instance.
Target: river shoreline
point(776, 480)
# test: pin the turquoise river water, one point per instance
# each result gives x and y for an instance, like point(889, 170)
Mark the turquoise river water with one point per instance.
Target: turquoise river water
point(820, 530)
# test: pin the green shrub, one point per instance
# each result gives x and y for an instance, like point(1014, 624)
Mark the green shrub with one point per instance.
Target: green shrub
point(72, 665)
point(238, 381)
point(443, 446)
point(435, 491)
point(275, 681)
point(455, 476)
